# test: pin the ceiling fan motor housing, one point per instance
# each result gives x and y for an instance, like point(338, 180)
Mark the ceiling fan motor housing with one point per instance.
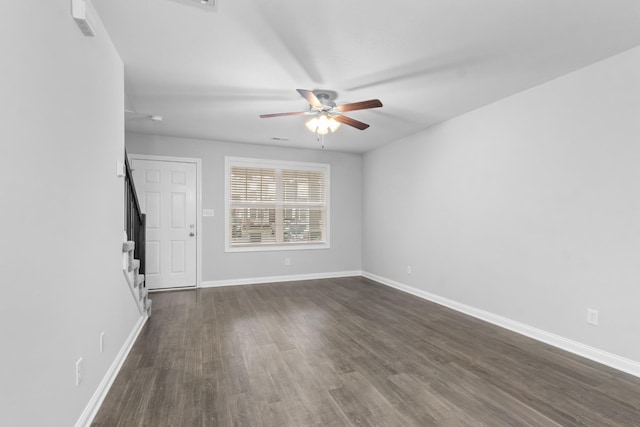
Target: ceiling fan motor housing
point(326, 98)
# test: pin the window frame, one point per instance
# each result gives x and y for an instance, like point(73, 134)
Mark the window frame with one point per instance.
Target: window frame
point(230, 162)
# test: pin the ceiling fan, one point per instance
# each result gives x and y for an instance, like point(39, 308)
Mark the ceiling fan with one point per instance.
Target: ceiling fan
point(327, 116)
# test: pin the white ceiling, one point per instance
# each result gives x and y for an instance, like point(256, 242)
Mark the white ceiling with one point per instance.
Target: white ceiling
point(211, 72)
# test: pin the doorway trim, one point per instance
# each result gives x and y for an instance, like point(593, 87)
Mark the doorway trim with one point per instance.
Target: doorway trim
point(198, 163)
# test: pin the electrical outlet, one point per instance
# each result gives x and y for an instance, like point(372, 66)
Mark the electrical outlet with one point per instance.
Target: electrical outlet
point(592, 316)
point(78, 372)
point(287, 261)
point(101, 342)
point(409, 272)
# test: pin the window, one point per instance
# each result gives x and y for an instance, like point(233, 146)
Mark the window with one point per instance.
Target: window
point(276, 205)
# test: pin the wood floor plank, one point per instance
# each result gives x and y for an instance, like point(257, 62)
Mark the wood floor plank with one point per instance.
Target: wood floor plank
point(363, 404)
point(349, 352)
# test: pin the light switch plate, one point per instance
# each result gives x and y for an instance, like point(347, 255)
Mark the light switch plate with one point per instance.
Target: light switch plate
point(120, 170)
point(208, 212)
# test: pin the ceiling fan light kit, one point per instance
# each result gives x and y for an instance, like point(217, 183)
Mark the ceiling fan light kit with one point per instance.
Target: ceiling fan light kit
point(322, 124)
point(327, 116)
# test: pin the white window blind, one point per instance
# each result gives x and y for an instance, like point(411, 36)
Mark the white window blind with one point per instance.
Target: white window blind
point(272, 205)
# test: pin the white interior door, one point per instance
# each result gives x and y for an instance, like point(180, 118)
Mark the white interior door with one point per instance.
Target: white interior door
point(167, 194)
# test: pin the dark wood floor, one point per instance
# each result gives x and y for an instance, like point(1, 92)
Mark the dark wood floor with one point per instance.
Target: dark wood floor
point(349, 352)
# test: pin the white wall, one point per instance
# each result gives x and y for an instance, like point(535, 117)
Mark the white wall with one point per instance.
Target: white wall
point(528, 208)
point(218, 266)
point(62, 130)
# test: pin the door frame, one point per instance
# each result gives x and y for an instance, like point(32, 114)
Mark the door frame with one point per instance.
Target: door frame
point(198, 163)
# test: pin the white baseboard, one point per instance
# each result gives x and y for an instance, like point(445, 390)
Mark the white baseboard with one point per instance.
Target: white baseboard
point(609, 359)
point(274, 279)
point(181, 288)
point(96, 400)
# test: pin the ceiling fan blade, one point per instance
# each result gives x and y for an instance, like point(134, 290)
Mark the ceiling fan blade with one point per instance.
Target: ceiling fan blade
point(311, 98)
point(297, 113)
point(362, 105)
point(351, 122)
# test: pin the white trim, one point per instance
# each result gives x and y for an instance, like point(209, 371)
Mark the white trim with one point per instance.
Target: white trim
point(90, 411)
point(325, 168)
point(274, 279)
point(198, 163)
point(253, 162)
point(130, 278)
point(276, 247)
point(181, 288)
point(620, 363)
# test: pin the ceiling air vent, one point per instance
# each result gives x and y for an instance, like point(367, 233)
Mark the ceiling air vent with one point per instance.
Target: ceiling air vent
point(206, 5)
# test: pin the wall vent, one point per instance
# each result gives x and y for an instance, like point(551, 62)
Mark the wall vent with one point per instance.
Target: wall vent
point(79, 14)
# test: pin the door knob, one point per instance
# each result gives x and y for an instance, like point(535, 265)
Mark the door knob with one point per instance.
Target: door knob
point(192, 234)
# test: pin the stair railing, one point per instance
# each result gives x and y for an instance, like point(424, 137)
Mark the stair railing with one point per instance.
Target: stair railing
point(134, 218)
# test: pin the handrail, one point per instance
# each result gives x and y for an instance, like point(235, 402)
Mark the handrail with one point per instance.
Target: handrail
point(135, 220)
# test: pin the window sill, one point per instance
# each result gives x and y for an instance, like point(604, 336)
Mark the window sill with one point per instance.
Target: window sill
point(267, 248)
